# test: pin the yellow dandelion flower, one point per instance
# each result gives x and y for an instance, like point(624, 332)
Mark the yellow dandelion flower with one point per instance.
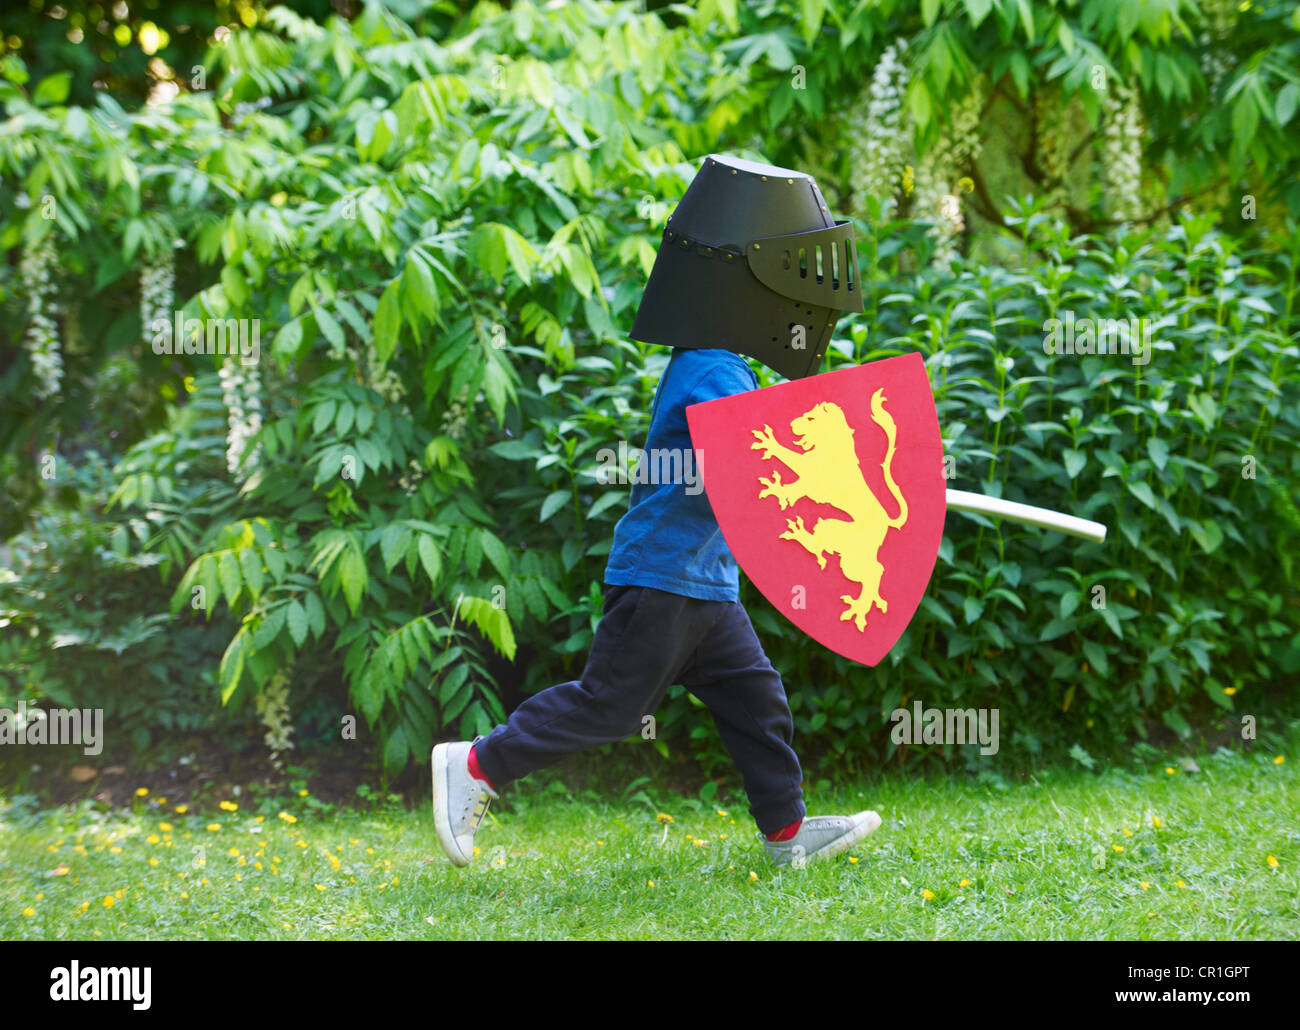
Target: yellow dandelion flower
point(114, 850)
point(257, 865)
point(752, 876)
point(243, 860)
point(477, 850)
point(40, 896)
point(600, 843)
point(927, 894)
point(153, 838)
point(723, 836)
point(733, 822)
point(213, 827)
point(354, 840)
point(689, 837)
point(228, 806)
point(165, 827)
point(339, 848)
point(320, 886)
point(275, 858)
point(1156, 822)
point(120, 893)
point(721, 813)
point(1169, 769)
point(1272, 861)
point(29, 911)
point(334, 862)
point(184, 895)
point(1144, 885)
point(160, 801)
point(1181, 886)
point(259, 818)
point(651, 882)
point(301, 843)
point(141, 791)
point(233, 852)
point(303, 793)
point(964, 883)
point(1279, 759)
point(1230, 691)
point(700, 843)
point(664, 817)
point(853, 860)
point(109, 901)
point(288, 818)
point(153, 861)
point(1117, 847)
point(181, 809)
point(394, 881)
point(204, 881)
point(370, 851)
point(1128, 833)
point(239, 877)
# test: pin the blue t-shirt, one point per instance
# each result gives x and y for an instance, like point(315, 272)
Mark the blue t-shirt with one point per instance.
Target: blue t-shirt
point(669, 538)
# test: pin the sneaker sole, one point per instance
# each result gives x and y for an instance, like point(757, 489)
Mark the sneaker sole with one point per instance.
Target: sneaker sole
point(441, 816)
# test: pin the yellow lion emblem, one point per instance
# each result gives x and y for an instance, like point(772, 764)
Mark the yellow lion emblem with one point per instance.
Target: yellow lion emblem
point(829, 473)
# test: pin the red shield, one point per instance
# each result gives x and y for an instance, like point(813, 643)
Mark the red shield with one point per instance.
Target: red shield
point(830, 493)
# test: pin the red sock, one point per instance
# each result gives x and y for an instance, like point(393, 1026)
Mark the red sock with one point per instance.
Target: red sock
point(786, 833)
point(476, 771)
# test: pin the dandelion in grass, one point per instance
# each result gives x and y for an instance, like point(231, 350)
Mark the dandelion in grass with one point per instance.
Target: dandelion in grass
point(153, 862)
point(303, 793)
point(1272, 861)
point(752, 876)
point(1230, 691)
point(964, 883)
point(1169, 769)
point(141, 792)
point(853, 860)
point(650, 882)
point(1144, 885)
point(109, 901)
point(1127, 832)
point(165, 827)
point(153, 838)
point(213, 827)
point(288, 818)
point(1117, 847)
point(1181, 886)
point(1157, 822)
point(664, 817)
point(181, 809)
point(228, 806)
point(29, 911)
point(115, 850)
point(1279, 759)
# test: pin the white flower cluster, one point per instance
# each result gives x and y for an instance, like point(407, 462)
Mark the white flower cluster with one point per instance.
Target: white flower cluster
point(876, 139)
point(388, 384)
point(937, 193)
point(1122, 124)
point(241, 391)
point(1051, 118)
point(1216, 62)
point(42, 341)
point(410, 480)
point(453, 420)
point(156, 294)
point(273, 710)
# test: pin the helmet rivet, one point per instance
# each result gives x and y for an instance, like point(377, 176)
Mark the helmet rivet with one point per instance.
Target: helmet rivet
point(763, 177)
point(790, 181)
point(756, 246)
point(733, 171)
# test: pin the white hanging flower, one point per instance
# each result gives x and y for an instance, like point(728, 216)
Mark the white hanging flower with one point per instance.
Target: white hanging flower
point(937, 195)
point(1122, 151)
point(273, 710)
point(1216, 62)
point(874, 124)
point(157, 294)
point(42, 339)
point(241, 392)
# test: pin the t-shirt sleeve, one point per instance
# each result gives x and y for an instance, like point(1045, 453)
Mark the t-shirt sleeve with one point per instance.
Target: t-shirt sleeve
point(723, 380)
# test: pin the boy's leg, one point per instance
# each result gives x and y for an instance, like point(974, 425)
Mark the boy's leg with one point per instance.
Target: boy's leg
point(643, 639)
point(733, 677)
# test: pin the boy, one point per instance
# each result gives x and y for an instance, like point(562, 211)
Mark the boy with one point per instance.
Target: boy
point(671, 612)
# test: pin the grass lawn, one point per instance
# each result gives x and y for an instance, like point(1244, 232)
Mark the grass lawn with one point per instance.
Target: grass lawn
point(1210, 854)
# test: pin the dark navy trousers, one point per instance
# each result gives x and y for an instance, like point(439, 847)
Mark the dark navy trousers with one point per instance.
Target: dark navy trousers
point(646, 641)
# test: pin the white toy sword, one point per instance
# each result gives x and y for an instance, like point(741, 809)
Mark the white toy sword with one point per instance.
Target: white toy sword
point(963, 500)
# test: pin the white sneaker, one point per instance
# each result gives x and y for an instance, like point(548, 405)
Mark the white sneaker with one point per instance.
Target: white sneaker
point(821, 836)
point(459, 800)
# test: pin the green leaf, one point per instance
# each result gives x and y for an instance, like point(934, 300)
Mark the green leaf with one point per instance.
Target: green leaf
point(296, 617)
point(329, 328)
point(53, 89)
point(1287, 99)
point(352, 576)
point(251, 564)
point(228, 572)
point(388, 322)
point(429, 557)
point(1143, 493)
point(1074, 462)
point(1096, 656)
point(554, 503)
